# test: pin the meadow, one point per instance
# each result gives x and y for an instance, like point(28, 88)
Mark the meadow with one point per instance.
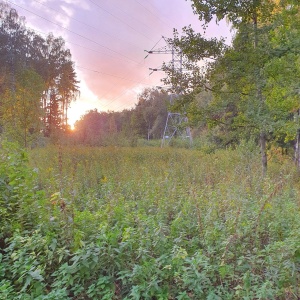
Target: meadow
point(148, 223)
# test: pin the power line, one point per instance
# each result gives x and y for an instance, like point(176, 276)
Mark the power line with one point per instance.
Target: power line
point(72, 18)
point(119, 77)
point(153, 47)
point(95, 42)
point(99, 72)
point(171, 22)
point(132, 17)
point(127, 104)
point(90, 49)
point(175, 120)
point(97, 51)
point(115, 99)
point(120, 20)
point(119, 96)
point(87, 39)
point(71, 31)
point(146, 8)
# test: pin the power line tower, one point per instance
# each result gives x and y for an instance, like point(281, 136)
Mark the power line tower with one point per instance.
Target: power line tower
point(175, 123)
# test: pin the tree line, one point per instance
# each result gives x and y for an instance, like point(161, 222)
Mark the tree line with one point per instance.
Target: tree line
point(146, 121)
point(248, 90)
point(37, 81)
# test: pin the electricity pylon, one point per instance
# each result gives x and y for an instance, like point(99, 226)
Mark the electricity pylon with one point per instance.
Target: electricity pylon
point(175, 121)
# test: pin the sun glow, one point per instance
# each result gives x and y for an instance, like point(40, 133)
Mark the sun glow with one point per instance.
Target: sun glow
point(78, 108)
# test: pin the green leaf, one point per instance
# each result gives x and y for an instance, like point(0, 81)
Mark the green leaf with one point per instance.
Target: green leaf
point(36, 275)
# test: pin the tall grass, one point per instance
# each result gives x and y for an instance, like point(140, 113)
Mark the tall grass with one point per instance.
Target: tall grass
point(152, 223)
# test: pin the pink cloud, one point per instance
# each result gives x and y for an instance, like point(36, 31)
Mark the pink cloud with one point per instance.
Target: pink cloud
point(111, 38)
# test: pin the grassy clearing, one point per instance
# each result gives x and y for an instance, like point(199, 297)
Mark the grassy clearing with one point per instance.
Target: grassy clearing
point(151, 223)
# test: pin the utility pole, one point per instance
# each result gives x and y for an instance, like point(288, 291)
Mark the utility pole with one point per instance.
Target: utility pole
point(175, 121)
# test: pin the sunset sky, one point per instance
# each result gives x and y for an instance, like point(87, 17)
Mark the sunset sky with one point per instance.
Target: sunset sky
point(107, 39)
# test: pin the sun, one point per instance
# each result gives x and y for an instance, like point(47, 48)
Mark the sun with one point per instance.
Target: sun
point(86, 101)
point(73, 116)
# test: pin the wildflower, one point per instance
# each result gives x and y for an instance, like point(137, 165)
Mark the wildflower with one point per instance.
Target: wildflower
point(103, 179)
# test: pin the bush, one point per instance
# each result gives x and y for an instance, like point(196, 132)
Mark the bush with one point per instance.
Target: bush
point(149, 223)
point(20, 197)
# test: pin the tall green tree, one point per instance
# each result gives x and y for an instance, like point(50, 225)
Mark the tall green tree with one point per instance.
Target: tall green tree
point(151, 113)
point(21, 108)
point(240, 75)
point(61, 83)
point(22, 48)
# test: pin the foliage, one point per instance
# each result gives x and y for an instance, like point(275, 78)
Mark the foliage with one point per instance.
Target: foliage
point(253, 82)
point(135, 223)
point(21, 109)
point(146, 120)
point(151, 113)
point(22, 53)
point(152, 223)
point(20, 197)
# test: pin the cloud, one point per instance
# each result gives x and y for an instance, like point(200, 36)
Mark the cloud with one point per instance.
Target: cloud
point(69, 11)
point(107, 40)
point(77, 3)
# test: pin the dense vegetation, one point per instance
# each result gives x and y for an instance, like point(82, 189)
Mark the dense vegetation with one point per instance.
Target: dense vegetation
point(37, 81)
point(146, 121)
point(248, 89)
point(118, 223)
point(149, 223)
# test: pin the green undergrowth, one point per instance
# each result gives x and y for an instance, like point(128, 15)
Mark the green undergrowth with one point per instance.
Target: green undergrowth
point(148, 223)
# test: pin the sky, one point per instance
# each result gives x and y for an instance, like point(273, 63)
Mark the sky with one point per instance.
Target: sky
point(108, 39)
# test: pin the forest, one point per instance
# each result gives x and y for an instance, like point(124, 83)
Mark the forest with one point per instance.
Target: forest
point(38, 83)
point(102, 211)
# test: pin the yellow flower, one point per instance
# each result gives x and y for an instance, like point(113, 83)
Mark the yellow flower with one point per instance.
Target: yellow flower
point(103, 179)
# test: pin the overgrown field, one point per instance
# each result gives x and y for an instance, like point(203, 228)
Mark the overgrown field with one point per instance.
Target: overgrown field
point(148, 223)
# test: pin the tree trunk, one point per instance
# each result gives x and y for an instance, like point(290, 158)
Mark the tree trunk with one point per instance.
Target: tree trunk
point(263, 140)
point(148, 133)
point(264, 159)
point(297, 149)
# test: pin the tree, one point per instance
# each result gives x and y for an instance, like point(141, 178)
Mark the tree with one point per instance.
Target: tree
point(240, 76)
point(151, 113)
point(283, 70)
point(61, 84)
point(21, 108)
point(89, 129)
point(146, 120)
point(21, 48)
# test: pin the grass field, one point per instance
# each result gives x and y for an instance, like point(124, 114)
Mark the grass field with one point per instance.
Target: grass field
point(151, 223)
